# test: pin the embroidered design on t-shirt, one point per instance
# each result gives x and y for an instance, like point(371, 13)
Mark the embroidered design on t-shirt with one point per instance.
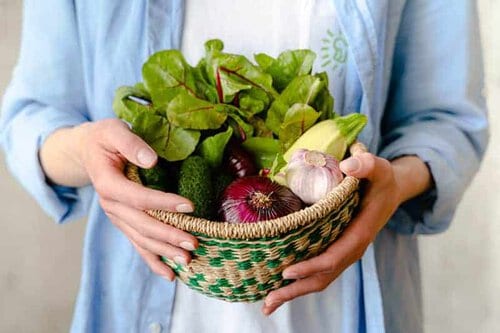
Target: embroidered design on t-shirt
point(333, 50)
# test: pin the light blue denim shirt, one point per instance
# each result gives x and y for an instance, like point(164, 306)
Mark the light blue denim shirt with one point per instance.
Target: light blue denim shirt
point(417, 75)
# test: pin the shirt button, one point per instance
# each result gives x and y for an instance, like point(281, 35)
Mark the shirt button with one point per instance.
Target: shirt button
point(155, 328)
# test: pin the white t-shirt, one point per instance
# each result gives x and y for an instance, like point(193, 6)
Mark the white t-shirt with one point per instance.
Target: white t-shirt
point(271, 26)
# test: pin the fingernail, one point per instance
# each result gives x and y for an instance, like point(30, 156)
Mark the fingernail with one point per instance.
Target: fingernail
point(184, 208)
point(187, 246)
point(180, 260)
point(349, 165)
point(290, 275)
point(146, 156)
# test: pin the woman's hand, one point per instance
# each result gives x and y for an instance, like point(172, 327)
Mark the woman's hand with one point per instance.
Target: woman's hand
point(387, 186)
point(102, 151)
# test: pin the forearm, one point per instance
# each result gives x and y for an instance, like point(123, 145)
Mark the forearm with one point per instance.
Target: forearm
point(60, 157)
point(412, 176)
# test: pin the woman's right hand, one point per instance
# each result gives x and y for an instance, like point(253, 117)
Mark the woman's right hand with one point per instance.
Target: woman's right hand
point(104, 147)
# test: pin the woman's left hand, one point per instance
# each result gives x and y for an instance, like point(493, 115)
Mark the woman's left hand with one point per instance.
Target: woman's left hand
point(383, 193)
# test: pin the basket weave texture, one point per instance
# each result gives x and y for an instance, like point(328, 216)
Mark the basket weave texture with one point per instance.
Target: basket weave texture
point(244, 262)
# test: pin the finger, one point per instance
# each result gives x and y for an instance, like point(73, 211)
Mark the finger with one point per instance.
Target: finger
point(111, 184)
point(118, 138)
point(296, 289)
point(155, 264)
point(365, 165)
point(149, 227)
point(174, 253)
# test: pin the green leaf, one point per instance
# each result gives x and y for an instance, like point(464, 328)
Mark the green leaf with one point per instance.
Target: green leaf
point(166, 73)
point(277, 173)
point(240, 125)
point(303, 89)
point(212, 148)
point(287, 66)
point(253, 101)
point(260, 128)
point(264, 150)
point(203, 85)
point(232, 73)
point(299, 118)
point(324, 101)
point(180, 144)
point(126, 109)
point(187, 111)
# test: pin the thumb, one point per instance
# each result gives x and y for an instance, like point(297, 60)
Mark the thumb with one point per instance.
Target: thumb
point(364, 165)
point(120, 139)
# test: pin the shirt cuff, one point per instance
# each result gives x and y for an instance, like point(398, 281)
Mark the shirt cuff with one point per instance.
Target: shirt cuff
point(22, 139)
point(432, 211)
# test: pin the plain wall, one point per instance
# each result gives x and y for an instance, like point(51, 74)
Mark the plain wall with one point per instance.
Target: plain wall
point(40, 261)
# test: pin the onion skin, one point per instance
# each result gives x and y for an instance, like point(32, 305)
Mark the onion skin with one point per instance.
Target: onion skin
point(254, 199)
point(239, 162)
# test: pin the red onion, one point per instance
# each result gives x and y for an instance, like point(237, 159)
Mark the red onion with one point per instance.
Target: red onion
point(253, 199)
point(239, 162)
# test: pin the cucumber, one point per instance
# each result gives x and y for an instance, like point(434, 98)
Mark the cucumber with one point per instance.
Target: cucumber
point(195, 183)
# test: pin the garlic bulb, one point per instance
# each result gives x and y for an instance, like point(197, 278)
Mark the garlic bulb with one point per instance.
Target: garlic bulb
point(311, 174)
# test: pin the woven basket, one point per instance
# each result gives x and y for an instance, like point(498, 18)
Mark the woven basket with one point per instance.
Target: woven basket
point(244, 262)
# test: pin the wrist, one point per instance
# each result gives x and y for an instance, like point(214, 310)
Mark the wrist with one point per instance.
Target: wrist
point(412, 176)
point(61, 157)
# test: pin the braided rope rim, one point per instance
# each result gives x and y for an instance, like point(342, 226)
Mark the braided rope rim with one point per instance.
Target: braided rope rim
point(264, 229)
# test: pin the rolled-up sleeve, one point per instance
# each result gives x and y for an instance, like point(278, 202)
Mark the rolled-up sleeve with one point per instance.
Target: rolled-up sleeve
point(46, 93)
point(436, 109)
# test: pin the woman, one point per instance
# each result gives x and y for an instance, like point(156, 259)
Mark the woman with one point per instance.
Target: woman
point(414, 67)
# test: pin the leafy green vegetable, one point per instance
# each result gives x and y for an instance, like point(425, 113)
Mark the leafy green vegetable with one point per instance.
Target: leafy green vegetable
point(323, 102)
point(232, 73)
point(243, 129)
point(126, 109)
point(268, 105)
point(203, 84)
point(190, 112)
point(287, 66)
point(297, 120)
point(276, 173)
point(166, 74)
point(263, 150)
point(260, 128)
point(302, 89)
point(253, 101)
point(212, 148)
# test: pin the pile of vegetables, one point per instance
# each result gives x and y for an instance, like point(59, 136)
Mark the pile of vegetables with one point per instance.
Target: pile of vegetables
point(244, 141)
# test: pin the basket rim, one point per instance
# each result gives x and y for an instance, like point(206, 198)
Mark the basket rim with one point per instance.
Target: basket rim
point(263, 229)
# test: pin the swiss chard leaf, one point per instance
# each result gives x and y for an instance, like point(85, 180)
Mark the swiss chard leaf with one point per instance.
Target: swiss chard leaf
point(287, 66)
point(166, 74)
point(189, 112)
point(170, 142)
point(180, 143)
point(324, 101)
point(260, 128)
point(203, 85)
point(303, 89)
point(231, 73)
point(126, 109)
point(298, 119)
point(264, 150)
point(253, 101)
point(212, 148)
point(243, 129)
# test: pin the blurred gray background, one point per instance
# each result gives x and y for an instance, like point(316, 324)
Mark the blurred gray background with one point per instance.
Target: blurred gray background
point(40, 261)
